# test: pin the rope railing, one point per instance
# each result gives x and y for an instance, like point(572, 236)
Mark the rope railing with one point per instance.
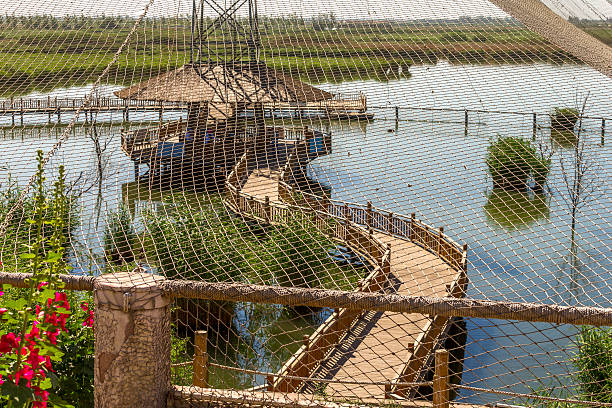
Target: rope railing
point(360, 301)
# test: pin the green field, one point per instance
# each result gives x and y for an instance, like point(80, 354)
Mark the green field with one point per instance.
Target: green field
point(43, 52)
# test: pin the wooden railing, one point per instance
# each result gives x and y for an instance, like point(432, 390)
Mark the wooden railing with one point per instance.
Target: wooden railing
point(30, 104)
point(424, 345)
point(136, 140)
point(435, 241)
point(410, 228)
point(353, 225)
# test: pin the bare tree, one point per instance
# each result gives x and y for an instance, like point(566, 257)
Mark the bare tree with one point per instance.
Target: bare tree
point(580, 179)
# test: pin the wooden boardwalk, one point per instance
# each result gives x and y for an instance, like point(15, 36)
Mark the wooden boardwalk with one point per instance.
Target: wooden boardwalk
point(377, 347)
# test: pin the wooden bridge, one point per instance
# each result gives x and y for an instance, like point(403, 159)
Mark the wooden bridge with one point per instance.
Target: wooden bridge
point(342, 106)
point(388, 350)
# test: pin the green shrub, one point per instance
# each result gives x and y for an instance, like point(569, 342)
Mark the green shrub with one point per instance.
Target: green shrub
point(119, 237)
point(540, 167)
point(509, 162)
point(564, 119)
point(594, 364)
point(300, 256)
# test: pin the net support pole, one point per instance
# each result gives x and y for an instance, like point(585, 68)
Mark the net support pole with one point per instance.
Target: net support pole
point(132, 341)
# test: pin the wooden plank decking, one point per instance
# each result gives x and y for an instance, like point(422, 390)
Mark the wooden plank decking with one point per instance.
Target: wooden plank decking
point(377, 347)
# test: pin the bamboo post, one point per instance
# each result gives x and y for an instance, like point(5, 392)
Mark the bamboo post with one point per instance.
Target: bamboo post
point(397, 114)
point(440, 382)
point(200, 360)
point(369, 215)
point(465, 131)
point(603, 130)
point(535, 126)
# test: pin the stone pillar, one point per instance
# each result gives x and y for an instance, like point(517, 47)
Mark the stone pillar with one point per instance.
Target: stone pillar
point(132, 341)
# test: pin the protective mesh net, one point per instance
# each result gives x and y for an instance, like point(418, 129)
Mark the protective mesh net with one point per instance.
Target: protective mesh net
point(421, 148)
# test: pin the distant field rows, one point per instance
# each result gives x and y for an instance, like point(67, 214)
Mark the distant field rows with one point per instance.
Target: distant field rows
point(36, 59)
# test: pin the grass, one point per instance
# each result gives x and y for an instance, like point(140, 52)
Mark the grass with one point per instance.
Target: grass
point(34, 57)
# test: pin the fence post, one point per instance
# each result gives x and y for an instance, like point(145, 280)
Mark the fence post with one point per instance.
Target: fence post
point(440, 382)
point(369, 215)
point(270, 382)
point(132, 341)
point(440, 233)
point(200, 359)
point(390, 223)
point(411, 227)
point(267, 209)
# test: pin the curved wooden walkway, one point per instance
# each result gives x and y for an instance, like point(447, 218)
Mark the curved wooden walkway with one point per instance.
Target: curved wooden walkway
point(383, 348)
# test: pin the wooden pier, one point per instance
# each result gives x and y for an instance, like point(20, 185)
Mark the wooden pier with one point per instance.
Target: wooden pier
point(408, 257)
point(341, 107)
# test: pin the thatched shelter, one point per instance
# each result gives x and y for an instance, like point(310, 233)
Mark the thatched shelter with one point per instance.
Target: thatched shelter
point(239, 83)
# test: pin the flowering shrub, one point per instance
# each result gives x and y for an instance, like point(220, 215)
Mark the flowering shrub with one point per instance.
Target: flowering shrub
point(34, 321)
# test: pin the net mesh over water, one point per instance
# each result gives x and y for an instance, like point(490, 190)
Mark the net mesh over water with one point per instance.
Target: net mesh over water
point(442, 149)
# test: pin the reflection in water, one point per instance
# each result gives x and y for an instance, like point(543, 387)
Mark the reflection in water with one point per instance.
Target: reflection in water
point(263, 338)
point(564, 139)
point(514, 210)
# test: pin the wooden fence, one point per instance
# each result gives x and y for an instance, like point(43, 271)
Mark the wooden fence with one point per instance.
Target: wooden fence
point(352, 225)
point(139, 139)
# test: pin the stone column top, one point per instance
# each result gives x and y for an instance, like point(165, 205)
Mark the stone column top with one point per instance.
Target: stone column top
point(130, 291)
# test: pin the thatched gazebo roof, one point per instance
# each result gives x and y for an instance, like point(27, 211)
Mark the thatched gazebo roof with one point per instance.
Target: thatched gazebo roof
point(222, 84)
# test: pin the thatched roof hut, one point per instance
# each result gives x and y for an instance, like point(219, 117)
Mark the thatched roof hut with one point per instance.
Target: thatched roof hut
point(241, 83)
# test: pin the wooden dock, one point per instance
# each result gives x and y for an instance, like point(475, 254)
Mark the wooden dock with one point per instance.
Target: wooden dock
point(408, 256)
point(341, 107)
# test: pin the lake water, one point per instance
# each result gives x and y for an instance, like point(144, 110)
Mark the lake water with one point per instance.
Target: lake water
point(519, 244)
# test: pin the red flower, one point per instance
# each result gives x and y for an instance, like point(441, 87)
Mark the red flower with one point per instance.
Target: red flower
point(52, 336)
point(42, 285)
point(3, 310)
point(26, 373)
point(44, 397)
point(62, 300)
point(8, 342)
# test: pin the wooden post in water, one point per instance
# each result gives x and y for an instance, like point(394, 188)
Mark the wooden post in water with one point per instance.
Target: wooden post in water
point(535, 126)
point(603, 130)
point(200, 359)
point(441, 391)
point(396, 114)
point(465, 126)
